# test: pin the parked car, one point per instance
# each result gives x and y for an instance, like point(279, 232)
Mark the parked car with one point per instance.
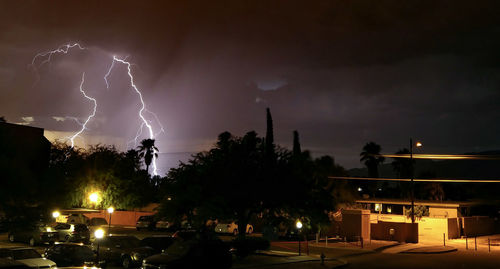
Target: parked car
point(200, 251)
point(164, 224)
point(27, 256)
point(77, 218)
point(231, 228)
point(33, 234)
point(97, 223)
point(145, 222)
point(70, 254)
point(158, 242)
point(6, 263)
point(72, 232)
point(124, 250)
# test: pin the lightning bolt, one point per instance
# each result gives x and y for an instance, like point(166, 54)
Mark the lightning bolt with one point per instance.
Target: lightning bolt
point(84, 125)
point(47, 56)
point(143, 109)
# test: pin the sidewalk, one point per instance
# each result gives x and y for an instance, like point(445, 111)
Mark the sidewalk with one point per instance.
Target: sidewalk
point(265, 259)
point(384, 247)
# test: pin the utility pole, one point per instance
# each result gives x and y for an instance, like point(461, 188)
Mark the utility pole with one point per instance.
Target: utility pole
point(411, 184)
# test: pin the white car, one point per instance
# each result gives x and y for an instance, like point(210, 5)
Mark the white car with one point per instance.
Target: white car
point(27, 256)
point(231, 228)
point(164, 224)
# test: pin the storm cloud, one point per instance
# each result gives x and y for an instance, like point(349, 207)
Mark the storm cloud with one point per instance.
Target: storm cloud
point(342, 73)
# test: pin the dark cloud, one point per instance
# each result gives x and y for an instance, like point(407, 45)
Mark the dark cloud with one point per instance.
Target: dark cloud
point(342, 72)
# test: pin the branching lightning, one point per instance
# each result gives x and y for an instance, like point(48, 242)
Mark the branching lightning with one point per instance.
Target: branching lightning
point(143, 109)
point(47, 56)
point(84, 125)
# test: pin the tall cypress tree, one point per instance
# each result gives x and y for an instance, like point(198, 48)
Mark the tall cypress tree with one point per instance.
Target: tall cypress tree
point(269, 135)
point(296, 144)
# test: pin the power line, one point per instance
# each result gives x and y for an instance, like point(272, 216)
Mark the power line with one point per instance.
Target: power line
point(420, 180)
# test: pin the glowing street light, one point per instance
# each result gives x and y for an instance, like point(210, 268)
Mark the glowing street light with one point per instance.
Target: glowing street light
point(298, 224)
point(94, 197)
point(56, 214)
point(418, 145)
point(99, 234)
point(110, 211)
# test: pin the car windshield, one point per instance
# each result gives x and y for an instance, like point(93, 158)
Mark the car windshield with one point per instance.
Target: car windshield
point(98, 221)
point(61, 226)
point(125, 241)
point(79, 251)
point(145, 218)
point(81, 228)
point(21, 254)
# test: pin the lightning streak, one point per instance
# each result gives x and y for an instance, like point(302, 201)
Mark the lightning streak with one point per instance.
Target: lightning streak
point(84, 125)
point(145, 122)
point(61, 49)
point(47, 56)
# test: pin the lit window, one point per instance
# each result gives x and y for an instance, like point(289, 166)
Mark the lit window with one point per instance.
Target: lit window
point(389, 209)
point(378, 207)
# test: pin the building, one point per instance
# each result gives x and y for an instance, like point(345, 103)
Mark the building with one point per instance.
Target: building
point(440, 219)
point(24, 158)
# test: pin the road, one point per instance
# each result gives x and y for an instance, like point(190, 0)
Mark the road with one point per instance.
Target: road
point(351, 253)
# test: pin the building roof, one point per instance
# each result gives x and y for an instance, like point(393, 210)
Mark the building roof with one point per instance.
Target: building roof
point(79, 211)
point(419, 202)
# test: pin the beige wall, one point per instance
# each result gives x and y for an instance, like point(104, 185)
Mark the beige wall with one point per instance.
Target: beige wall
point(442, 212)
point(428, 228)
point(355, 223)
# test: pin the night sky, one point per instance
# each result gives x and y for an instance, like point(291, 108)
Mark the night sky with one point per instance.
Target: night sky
point(342, 73)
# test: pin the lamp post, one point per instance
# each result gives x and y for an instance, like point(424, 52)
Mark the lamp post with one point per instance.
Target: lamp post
point(298, 224)
point(418, 144)
point(56, 215)
point(110, 211)
point(99, 234)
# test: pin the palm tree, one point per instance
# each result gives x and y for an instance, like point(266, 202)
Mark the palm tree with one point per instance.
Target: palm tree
point(147, 151)
point(402, 166)
point(370, 158)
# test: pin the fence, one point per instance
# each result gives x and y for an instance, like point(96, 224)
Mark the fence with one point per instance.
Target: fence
point(124, 218)
point(395, 231)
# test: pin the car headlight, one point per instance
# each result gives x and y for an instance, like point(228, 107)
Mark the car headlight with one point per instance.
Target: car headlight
point(136, 256)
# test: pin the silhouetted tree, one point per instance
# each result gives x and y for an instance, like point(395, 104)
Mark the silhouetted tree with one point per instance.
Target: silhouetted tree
point(231, 181)
point(296, 143)
point(402, 166)
point(270, 147)
point(148, 151)
point(2, 119)
point(429, 190)
point(370, 158)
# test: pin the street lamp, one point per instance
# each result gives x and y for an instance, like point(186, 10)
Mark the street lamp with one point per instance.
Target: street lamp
point(418, 144)
point(99, 234)
point(94, 197)
point(56, 214)
point(110, 211)
point(298, 224)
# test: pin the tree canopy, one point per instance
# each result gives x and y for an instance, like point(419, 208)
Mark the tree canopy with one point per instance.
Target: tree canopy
point(234, 180)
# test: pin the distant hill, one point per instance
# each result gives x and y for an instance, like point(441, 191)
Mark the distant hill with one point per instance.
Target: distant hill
point(471, 169)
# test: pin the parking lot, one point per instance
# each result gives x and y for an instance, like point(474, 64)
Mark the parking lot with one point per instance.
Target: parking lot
point(114, 230)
